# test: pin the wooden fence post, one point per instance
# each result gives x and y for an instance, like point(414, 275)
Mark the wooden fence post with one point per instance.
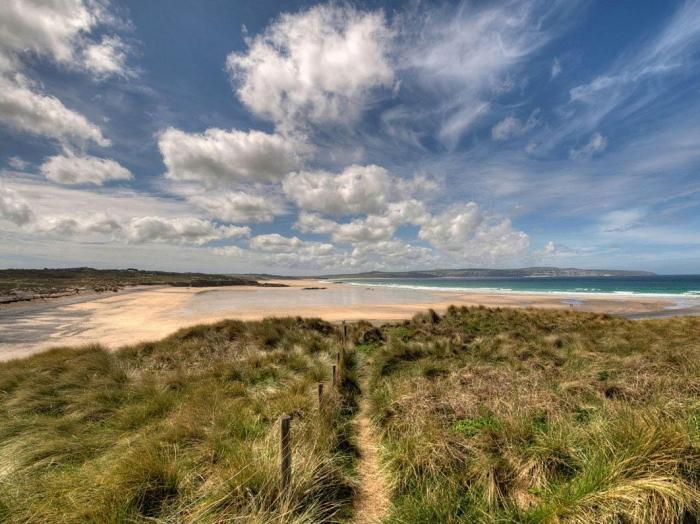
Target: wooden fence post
point(335, 372)
point(285, 453)
point(320, 395)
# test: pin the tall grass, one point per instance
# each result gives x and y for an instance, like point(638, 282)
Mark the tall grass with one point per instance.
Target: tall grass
point(484, 415)
point(182, 430)
point(537, 416)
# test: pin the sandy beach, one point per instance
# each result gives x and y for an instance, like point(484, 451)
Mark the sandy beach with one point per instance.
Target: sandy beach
point(147, 313)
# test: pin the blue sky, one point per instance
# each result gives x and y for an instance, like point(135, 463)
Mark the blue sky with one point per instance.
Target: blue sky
point(304, 137)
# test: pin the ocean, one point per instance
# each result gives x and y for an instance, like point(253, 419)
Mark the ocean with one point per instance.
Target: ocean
point(676, 286)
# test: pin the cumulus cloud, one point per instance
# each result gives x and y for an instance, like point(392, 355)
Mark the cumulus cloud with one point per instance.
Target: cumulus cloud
point(14, 208)
point(372, 228)
point(275, 243)
point(59, 31)
point(292, 252)
point(188, 230)
point(68, 226)
point(358, 189)
point(139, 230)
point(219, 157)
point(392, 254)
point(44, 115)
point(240, 206)
point(83, 169)
point(317, 65)
point(466, 231)
point(595, 145)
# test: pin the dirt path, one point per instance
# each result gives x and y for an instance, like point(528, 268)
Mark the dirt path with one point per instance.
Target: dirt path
point(372, 501)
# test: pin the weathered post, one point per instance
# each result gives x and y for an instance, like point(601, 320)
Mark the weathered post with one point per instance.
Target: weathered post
point(320, 395)
point(345, 334)
point(335, 372)
point(285, 454)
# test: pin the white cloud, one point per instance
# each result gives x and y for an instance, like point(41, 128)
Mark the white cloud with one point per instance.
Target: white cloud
point(68, 226)
point(59, 31)
point(83, 169)
point(393, 254)
point(621, 220)
point(372, 228)
point(556, 69)
point(239, 206)
point(640, 77)
point(107, 58)
point(358, 189)
point(465, 231)
point(506, 128)
point(289, 252)
point(219, 157)
point(43, 115)
point(466, 57)
point(275, 243)
point(17, 163)
point(14, 208)
point(138, 230)
point(317, 65)
point(595, 145)
point(187, 230)
point(511, 127)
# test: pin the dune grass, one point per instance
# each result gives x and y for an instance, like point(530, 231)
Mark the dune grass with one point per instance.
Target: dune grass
point(483, 415)
point(182, 430)
point(539, 416)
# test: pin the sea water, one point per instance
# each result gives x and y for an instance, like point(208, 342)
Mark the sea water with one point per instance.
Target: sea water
point(676, 286)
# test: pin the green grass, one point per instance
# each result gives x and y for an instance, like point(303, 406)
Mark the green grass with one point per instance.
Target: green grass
point(536, 416)
point(182, 430)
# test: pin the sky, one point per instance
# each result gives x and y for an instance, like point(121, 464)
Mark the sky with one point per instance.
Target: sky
point(305, 138)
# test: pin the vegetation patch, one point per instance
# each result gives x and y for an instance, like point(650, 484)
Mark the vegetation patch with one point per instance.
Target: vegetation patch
point(498, 415)
point(181, 430)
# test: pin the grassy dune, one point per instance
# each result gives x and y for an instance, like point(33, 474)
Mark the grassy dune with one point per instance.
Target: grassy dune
point(480, 416)
point(539, 416)
point(182, 430)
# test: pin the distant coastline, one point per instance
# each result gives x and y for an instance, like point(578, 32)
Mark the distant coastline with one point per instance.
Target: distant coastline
point(544, 271)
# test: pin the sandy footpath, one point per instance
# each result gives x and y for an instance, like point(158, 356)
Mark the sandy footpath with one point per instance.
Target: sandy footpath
point(151, 313)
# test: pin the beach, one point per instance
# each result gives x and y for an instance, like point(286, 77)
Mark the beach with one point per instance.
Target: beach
point(147, 313)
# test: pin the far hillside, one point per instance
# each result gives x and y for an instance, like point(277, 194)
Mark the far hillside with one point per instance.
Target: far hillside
point(26, 284)
point(497, 273)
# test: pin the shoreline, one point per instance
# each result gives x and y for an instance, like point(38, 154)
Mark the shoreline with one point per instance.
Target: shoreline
point(148, 313)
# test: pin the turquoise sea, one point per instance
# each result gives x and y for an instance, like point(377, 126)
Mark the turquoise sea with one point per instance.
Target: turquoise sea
point(657, 285)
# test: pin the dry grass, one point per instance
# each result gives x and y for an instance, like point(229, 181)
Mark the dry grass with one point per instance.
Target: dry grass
point(537, 416)
point(183, 430)
point(483, 416)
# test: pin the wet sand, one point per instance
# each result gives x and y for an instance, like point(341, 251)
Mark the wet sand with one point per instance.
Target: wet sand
point(148, 313)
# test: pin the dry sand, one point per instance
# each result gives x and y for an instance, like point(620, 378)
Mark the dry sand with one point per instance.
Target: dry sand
point(150, 313)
